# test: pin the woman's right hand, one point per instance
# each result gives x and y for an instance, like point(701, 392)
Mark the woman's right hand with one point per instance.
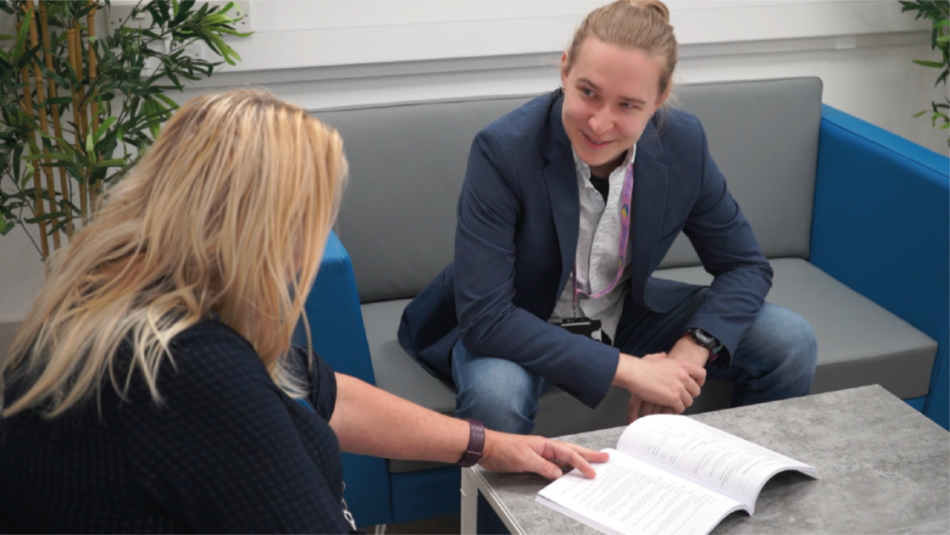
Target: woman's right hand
point(655, 379)
point(505, 452)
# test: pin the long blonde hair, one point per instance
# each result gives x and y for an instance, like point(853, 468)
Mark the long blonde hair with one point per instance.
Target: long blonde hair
point(235, 197)
point(639, 24)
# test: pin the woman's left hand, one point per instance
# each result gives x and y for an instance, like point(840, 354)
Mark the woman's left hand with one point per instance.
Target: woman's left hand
point(519, 453)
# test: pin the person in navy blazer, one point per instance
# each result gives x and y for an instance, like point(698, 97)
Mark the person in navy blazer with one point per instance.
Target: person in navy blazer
point(483, 322)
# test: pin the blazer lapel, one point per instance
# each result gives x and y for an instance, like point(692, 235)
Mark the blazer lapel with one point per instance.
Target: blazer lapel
point(649, 201)
point(561, 179)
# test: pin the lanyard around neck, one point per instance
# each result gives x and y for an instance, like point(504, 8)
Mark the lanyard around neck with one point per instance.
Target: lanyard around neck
point(625, 199)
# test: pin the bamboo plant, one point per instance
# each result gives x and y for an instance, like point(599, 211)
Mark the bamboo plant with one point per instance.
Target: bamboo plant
point(938, 13)
point(79, 106)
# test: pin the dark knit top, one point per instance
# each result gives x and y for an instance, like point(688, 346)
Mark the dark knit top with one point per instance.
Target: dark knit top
point(226, 451)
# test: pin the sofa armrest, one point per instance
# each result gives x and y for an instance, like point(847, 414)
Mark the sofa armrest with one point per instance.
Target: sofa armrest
point(336, 325)
point(881, 225)
point(336, 321)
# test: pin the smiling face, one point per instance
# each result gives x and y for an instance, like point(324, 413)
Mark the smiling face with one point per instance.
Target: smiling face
point(610, 93)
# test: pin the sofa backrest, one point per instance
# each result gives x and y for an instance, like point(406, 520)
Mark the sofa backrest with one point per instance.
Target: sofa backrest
point(407, 163)
point(763, 135)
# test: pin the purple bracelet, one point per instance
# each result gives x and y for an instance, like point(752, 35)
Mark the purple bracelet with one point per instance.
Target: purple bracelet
point(476, 443)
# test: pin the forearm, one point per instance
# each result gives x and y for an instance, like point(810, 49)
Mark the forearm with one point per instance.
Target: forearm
point(371, 421)
point(576, 364)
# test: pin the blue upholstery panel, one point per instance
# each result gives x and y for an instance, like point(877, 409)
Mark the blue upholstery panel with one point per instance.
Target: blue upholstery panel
point(882, 227)
point(336, 323)
point(426, 494)
point(917, 403)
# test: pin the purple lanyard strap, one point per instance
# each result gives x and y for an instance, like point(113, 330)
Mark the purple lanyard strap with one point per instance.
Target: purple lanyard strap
point(625, 199)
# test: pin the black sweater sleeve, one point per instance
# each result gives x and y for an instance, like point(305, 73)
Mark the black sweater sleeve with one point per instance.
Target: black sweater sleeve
point(226, 450)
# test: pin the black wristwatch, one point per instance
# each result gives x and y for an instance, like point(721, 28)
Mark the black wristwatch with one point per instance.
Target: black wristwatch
point(706, 340)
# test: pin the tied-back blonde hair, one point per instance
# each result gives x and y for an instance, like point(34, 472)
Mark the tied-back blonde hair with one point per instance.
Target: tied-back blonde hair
point(639, 24)
point(227, 214)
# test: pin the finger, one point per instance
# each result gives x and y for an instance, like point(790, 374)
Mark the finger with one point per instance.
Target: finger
point(678, 406)
point(633, 408)
point(686, 399)
point(698, 374)
point(692, 388)
point(592, 456)
point(667, 410)
point(544, 463)
point(573, 458)
point(648, 408)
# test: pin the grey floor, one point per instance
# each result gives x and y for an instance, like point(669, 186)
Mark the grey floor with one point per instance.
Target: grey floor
point(449, 524)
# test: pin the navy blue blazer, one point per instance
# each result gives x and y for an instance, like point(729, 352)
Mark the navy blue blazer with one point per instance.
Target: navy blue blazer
point(516, 239)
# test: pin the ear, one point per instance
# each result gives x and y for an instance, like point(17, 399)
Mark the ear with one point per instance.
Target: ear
point(666, 94)
point(564, 69)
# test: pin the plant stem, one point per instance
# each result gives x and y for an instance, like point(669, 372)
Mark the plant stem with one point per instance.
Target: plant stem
point(37, 185)
point(44, 127)
point(71, 43)
point(57, 126)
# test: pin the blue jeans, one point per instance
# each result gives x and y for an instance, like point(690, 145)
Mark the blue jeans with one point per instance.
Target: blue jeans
point(774, 360)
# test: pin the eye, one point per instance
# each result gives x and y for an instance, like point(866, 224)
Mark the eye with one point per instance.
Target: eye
point(629, 106)
point(587, 92)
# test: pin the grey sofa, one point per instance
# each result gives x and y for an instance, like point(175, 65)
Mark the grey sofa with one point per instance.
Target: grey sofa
point(397, 224)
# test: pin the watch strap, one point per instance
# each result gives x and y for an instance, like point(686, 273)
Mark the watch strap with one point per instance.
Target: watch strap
point(476, 444)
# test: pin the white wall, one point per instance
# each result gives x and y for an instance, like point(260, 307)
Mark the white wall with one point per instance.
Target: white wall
point(325, 54)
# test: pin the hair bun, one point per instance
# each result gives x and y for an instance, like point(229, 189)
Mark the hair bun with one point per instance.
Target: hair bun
point(653, 5)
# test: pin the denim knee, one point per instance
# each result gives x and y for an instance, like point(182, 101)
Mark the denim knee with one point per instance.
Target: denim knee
point(497, 392)
point(779, 338)
point(795, 340)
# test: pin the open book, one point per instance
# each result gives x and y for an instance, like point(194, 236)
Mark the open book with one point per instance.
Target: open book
point(669, 474)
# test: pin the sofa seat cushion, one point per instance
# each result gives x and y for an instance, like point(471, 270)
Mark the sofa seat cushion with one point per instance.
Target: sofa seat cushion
point(859, 342)
point(559, 413)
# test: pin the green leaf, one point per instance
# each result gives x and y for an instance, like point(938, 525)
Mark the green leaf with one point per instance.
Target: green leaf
point(918, 114)
point(165, 9)
point(21, 35)
point(90, 144)
point(183, 11)
point(171, 103)
point(933, 64)
point(44, 217)
point(109, 163)
point(59, 101)
point(29, 170)
point(5, 37)
point(102, 128)
point(47, 156)
point(6, 226)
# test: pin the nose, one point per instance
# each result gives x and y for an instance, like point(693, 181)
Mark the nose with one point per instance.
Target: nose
point(601, 121)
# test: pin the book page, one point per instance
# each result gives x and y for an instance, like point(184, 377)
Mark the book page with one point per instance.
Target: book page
point(631, 496)
point(706, 455)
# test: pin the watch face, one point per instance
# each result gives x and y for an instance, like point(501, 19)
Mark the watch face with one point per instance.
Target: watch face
point(704, 339)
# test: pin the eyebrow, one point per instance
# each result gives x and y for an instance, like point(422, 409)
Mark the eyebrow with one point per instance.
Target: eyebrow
point(626, 99)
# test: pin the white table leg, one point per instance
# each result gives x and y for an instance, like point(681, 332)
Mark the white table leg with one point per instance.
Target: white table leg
point(469, 502)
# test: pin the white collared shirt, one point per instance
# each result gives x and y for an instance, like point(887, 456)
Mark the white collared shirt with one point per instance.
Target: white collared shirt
point(597, 253)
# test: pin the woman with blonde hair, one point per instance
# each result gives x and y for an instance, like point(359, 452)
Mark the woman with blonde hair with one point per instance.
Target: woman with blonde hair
point(570, 203)
point(152, 385)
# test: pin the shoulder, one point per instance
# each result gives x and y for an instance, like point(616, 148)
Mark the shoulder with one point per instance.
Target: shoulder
point(682, 127)
point(522, 127)
point(208, 356)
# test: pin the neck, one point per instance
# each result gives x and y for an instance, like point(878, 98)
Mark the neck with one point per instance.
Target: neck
point(604, 170)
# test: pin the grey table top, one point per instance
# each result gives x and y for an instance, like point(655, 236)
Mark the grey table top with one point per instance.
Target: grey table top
point(883, 468)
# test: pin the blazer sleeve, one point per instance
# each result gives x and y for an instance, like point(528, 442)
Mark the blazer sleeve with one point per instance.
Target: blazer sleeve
point(489, 211)
point(726, 245)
